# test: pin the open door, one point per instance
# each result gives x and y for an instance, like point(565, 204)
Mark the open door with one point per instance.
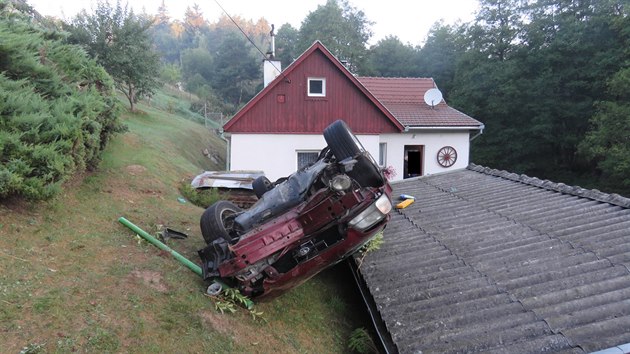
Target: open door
point(414, 158)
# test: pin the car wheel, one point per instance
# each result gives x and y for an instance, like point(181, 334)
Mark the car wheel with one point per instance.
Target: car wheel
point(344, 144)
point(341, 141)
point(218, 221)
point(261, 185)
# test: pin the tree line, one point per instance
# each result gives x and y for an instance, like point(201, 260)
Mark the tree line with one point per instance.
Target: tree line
point(549, 78)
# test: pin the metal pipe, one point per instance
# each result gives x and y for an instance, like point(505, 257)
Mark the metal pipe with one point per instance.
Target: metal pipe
point(227, 146)
point(481, 128)
point(185, 261)
point(273, 42)
point(249, 304)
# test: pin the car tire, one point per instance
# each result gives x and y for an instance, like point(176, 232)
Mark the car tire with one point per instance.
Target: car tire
point(341, 141)
point(261, 185)
point(344, 144)
point(217, 221)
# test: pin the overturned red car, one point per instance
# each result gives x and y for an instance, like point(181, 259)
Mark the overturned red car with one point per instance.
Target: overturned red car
point(301, 224)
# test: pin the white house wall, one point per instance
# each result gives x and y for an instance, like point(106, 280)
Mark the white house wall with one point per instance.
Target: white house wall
point(276, 155)
point(432, 141)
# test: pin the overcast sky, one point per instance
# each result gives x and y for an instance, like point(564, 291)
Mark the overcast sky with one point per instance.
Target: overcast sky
point(409, 20)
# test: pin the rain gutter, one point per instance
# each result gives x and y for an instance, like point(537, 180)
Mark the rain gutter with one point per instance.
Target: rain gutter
point(385, 340)
point(227, 154)
point(619, 349)
point(458, 127)
point(481, 128)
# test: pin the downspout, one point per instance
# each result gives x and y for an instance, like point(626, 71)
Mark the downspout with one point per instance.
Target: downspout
point(227, 154)
point(481, 128)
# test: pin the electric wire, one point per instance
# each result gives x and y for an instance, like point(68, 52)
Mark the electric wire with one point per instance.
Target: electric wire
point(252, 42)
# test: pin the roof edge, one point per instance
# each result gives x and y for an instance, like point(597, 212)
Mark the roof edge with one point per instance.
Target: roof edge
point(317, 45)
point(385, 340)
point(359, 85)
point(618, 349)
point(613, 198)
point(444, 127)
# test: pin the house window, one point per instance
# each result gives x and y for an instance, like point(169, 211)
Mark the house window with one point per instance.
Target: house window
point(382, 154)
point(305, 158)
point(316, 87)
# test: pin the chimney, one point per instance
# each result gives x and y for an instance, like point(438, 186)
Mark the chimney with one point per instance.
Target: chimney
point(271, 67)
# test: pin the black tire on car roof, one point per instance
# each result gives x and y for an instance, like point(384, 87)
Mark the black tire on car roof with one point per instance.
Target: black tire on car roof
point(344, 144)
point(341, 141)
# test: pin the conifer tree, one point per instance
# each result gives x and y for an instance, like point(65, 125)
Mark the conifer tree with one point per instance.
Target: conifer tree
point(57, 108)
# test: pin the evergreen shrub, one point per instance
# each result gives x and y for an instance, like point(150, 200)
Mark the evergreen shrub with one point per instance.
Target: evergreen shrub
point(57, 108)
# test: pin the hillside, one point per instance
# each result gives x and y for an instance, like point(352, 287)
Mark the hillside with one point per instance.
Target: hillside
point(74, 280)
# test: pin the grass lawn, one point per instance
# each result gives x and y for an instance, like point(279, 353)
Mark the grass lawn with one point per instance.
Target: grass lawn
point(72, 279)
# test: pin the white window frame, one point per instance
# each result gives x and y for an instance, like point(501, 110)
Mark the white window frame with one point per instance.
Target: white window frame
point(316, 94)
point(298, 152)
point(382, 153)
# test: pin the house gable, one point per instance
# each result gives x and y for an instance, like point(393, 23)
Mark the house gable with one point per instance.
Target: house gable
point(285, 106)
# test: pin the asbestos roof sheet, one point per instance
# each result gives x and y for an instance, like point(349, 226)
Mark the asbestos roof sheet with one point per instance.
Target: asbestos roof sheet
point(404, 98)
point(489, 261)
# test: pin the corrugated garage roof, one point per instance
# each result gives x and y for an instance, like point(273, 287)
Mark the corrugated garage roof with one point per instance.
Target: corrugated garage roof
point(487, 261)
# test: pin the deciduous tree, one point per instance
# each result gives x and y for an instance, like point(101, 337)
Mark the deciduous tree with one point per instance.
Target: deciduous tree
point(608, 141)
point(391, 58)
point(287, 44)
point(343, 29)
point(119, 41)
point(236, 70)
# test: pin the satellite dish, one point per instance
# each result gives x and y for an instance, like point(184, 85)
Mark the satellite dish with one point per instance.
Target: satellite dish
point(432, 97)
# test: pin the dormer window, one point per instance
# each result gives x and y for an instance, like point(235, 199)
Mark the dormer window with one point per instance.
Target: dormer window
point(316, 87)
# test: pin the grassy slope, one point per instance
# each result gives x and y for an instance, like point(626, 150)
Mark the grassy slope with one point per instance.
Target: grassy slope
point(73, 279)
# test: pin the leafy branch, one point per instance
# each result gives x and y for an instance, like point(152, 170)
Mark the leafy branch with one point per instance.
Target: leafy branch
point(230, 299)
point(372, 245)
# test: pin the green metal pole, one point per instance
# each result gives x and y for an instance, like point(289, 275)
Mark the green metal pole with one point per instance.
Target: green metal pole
point(192, 266)
point(185, 261)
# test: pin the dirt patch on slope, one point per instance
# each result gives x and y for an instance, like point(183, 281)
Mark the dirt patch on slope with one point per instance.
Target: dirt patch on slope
point(135, 170)
point(152, 279)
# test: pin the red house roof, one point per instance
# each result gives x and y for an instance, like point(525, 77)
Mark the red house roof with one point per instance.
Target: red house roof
point(283, 107)
point(404, 98)
point(370, 105)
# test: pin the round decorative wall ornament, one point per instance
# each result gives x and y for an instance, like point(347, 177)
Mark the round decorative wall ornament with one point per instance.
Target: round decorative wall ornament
point(447, 156)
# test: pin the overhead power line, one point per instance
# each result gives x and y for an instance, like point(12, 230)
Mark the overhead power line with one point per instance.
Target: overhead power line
point(252, 42)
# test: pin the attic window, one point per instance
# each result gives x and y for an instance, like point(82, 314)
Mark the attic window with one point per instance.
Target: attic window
point(316, 87)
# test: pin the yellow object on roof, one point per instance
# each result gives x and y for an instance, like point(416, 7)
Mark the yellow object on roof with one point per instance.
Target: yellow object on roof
point(404, 204)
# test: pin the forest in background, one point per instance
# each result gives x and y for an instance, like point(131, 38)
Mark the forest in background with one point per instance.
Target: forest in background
point(550, 79)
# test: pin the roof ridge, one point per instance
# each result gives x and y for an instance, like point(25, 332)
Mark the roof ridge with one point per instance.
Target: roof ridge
point(395, 77)
point(316, 46)
point(578, 191)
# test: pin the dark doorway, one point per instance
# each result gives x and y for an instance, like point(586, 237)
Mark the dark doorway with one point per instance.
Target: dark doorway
point(413, 160)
